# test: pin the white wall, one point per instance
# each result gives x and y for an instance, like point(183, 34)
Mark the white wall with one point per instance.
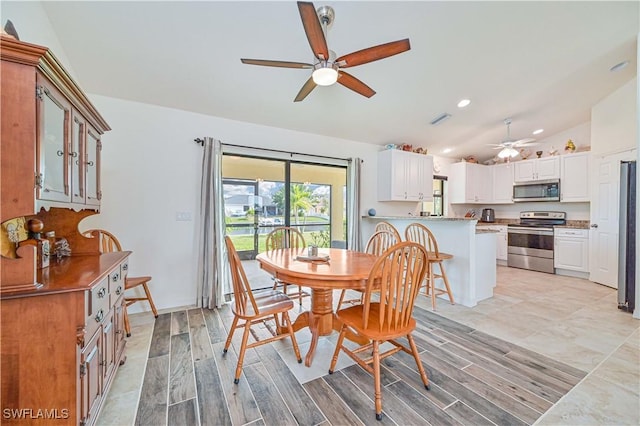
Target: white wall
point(151, 170)
point(33, 26)
point(580, 135)
point(614, 121)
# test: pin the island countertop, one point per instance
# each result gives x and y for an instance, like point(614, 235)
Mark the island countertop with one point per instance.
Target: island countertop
point(472, 269)
point(437, 218)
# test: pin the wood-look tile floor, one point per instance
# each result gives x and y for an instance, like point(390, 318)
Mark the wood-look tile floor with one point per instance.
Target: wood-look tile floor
point(476, 378)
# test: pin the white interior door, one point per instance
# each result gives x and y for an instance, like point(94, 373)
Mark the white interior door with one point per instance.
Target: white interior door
point(603, 241)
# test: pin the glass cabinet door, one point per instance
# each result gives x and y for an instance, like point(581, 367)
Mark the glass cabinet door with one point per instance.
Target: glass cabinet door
point(53, 115)
point(77, 154)
point(92, 164)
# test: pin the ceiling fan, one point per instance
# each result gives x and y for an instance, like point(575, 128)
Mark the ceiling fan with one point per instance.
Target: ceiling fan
point(508, 145)
point(327, 68)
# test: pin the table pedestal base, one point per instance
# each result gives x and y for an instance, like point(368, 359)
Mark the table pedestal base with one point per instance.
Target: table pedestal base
point(321, 321)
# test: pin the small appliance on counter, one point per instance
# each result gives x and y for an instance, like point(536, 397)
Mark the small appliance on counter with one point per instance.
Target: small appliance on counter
point(488, 215)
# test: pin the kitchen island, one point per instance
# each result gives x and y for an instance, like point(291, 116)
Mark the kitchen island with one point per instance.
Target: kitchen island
point(472, 271)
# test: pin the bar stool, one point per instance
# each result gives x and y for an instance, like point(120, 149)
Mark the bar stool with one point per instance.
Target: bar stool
point(420, 234)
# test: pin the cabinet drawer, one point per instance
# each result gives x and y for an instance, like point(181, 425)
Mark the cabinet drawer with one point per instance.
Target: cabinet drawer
point(571, 232)
point(116, 283)
point(99, 299)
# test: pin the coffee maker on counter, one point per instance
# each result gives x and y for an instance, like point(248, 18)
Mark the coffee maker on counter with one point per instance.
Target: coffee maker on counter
point(488, 215)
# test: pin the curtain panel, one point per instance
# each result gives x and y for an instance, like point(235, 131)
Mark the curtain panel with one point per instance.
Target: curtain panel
point(353, 204)
point(211, 266)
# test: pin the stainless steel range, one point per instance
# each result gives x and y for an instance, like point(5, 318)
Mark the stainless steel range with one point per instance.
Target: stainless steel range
point(530, 243)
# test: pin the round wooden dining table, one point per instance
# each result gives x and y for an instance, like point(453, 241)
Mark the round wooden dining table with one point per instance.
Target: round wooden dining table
point(345, 269)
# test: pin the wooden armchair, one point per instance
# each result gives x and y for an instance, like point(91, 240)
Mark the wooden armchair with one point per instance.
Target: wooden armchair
point(286, 237)
point(396, 277)
point(109, 243)
point(254, 309)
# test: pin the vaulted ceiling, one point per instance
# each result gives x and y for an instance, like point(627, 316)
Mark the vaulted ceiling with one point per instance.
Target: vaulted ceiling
point(545, 64)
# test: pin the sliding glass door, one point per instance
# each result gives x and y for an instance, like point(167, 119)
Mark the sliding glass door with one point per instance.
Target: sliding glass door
point(261, 194)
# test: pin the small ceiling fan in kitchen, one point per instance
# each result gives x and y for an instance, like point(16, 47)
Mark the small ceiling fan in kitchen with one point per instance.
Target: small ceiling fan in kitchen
point(508, 146)
point(327, 67)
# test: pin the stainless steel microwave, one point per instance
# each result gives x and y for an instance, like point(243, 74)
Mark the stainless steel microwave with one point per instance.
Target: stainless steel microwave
point(542, 190)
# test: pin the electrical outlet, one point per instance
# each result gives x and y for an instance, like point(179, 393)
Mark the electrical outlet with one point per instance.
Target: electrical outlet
point(183, 216)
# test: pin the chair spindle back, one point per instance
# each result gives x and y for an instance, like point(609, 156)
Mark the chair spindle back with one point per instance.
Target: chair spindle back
point(242, 293)
point(420, 234)
point(396, 277)
point(284, 237)
point(380, 242)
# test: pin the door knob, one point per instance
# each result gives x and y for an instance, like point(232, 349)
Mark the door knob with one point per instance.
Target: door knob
point(595, 225)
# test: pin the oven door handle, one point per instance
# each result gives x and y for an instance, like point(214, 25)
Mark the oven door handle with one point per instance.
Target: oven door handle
point(530, 231)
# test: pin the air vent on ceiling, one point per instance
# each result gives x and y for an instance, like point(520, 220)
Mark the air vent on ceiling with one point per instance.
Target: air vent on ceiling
point(439, 119)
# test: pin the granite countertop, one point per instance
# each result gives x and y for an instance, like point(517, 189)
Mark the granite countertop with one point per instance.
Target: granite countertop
point(572, 226)
point(439, 218)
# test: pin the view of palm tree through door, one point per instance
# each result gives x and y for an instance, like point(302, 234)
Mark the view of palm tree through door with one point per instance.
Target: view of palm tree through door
point(261, 194)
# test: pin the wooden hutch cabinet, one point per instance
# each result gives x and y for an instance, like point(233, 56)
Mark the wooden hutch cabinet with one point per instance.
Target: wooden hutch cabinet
point(61, 327)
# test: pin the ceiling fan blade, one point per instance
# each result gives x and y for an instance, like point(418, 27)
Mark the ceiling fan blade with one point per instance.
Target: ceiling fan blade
point(281, 64)
point(306, 89)
point(523, 142)
point(350, 82)
point(313, 29)
point(374, 53)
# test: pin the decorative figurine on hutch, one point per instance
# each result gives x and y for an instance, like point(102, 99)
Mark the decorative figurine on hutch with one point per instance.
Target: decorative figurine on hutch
point(570, 146)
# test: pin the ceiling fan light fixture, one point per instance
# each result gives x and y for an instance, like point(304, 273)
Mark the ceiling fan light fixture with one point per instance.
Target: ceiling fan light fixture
point(507, 152)
point(463, 103)
point(537, 132)
point(325, 75)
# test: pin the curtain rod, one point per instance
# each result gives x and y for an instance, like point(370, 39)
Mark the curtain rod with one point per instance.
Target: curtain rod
point(201, 142)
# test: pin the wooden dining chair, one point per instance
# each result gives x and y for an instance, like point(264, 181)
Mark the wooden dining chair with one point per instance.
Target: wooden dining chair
point(255, 308)
point(378, 243)
point(396, 279)
point(420, 234)
point(386, 226)
point(109, 243)
point(286, 237)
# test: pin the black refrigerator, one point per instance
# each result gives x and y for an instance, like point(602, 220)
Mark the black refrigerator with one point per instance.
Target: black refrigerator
point(627, 237)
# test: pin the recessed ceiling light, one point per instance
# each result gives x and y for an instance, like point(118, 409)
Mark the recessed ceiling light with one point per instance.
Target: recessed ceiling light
point(619, 66)
point(463, 103)
point(537, 132)
point(447, 150)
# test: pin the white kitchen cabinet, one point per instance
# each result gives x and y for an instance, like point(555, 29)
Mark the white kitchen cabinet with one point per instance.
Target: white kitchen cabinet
point(502, 177)
point(501, 241)
point(574, 177)
point(571, 249)
point(470, 183)
point(537, 169)
point(404, 176)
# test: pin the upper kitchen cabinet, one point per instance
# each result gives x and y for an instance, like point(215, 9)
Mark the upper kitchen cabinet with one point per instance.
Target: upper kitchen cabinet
point(537, 169)
point(404, 176)
point(502, 177)
point(470, 183)
point(574, 179)
point(50, 134)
